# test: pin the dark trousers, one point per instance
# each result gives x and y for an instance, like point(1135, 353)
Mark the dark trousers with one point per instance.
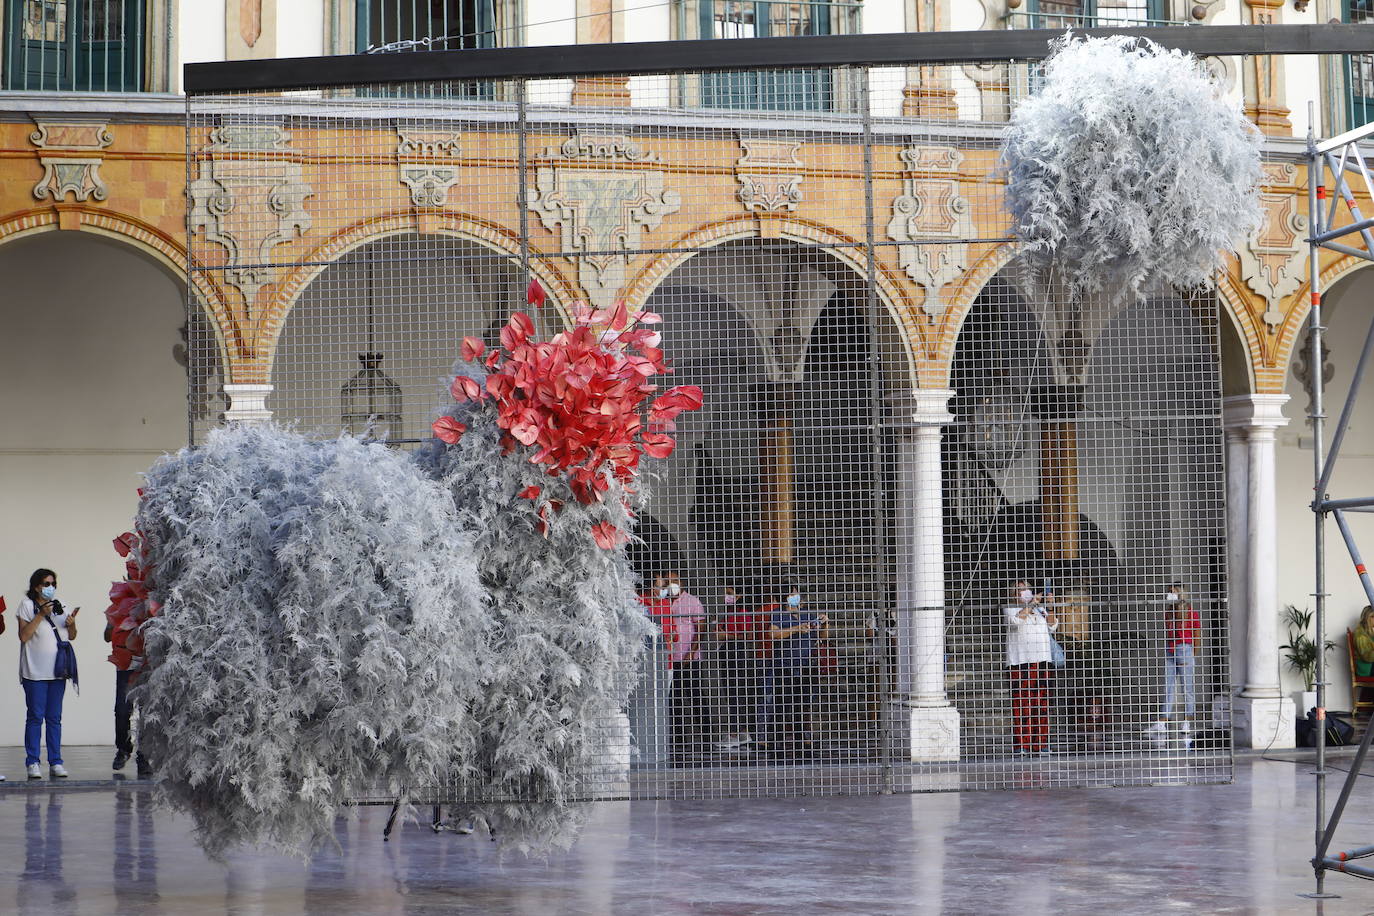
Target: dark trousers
point(691, 725)
point(740, 668)
point(124, 743)
point(794, 699)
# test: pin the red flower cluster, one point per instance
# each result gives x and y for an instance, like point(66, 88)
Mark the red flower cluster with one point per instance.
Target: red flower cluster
point(130, 607)
point(578, 400)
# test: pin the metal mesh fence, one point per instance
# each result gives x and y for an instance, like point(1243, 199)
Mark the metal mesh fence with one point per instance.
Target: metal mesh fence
point(914, 464)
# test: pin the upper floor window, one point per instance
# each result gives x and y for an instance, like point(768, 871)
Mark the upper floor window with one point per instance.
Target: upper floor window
point(1359, 68)
point(82, 45)
point(440, 25)
point(774, 90)
point(1063, 14)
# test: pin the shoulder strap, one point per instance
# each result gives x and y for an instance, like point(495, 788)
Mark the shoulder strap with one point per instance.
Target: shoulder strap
point(55, 633)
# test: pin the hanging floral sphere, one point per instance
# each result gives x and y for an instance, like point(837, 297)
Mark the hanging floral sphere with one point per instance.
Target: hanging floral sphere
point(131, 605)
point(1129, 171)
point(578, 399)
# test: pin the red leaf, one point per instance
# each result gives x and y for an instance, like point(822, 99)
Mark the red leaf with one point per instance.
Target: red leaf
point(124, 543)
point(606, 535)
point(534, 293)
point(620, 316)
point(657, 445)
point(530, 492)
point(648, 318)
point(542, 527)
point(465, 389)
point(449, 430)
point(688, 397)
point(472, 349)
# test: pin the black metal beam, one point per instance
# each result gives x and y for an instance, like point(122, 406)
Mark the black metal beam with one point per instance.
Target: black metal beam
point(743, 54)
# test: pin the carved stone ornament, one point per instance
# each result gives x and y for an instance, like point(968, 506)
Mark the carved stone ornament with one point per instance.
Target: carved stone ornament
point(767, 173)
point(602, 216)
point(603, 147)
point(77, 175)
point(931, 208)
point(1302, 371)
point(249, 204)
point(1273, 260)
point(429, 182)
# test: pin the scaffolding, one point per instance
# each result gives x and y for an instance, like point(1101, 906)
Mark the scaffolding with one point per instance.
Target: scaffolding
point(1337, 224)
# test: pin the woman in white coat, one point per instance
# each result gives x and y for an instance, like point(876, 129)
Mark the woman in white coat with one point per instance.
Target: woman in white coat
point(1029, 655)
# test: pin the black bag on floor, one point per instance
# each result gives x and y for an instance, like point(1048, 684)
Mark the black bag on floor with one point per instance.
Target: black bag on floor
point(1339, 732)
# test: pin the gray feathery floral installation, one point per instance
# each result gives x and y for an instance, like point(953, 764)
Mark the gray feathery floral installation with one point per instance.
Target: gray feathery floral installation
point(320, 633)
point(1127, 172)
point(317, 621)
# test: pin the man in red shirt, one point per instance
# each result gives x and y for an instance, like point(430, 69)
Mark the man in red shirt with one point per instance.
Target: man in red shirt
point(1181, 628)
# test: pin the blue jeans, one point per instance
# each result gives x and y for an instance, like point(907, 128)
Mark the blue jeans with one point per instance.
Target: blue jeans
point(44, 702)
point(1179, 666)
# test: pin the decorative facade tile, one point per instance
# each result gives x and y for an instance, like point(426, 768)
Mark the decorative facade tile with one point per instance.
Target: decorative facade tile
point(769, 182)
point(931, 208)
point(1273, 261)
point(249, 204)
point(601, 216)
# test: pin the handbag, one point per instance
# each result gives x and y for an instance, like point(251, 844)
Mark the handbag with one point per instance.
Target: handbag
point(64, 665)
point(1057, 657)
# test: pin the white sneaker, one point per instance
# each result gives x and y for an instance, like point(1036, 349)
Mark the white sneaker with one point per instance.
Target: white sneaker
point(1185, 727)
point(1159, 728)
point(58, 771)
point(2, 777)
point(33, 771)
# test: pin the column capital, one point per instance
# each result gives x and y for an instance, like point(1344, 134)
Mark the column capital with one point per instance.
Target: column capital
point(1254, 411)
point(917, 407)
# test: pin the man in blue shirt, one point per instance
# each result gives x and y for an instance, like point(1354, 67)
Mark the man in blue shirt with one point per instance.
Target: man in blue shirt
point(795, 633)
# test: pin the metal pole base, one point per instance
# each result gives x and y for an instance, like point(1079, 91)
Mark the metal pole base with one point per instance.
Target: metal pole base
point(1322, 896)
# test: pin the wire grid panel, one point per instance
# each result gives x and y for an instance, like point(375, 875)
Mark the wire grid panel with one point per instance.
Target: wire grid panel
point(899, 424)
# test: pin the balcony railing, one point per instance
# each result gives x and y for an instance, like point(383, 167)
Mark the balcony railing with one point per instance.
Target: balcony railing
point(1102, 19)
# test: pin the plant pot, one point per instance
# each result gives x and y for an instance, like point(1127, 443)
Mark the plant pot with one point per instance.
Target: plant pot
point(1306, 700)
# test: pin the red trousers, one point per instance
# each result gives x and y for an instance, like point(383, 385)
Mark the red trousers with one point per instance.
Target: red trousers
point(1030, 706)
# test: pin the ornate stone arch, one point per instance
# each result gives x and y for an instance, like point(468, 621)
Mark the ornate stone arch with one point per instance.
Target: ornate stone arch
point(848, 251)
point(561, 290)
point(1289, 333)
point(152, 242)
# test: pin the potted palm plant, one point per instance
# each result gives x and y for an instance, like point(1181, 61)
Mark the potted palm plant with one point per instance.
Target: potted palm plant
point(1300, 652)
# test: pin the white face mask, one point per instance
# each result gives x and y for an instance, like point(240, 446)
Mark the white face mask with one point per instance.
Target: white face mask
point(1172, 596)
point(1026, 595)
point(730, 599)
point(663, 592)
point(674, 589)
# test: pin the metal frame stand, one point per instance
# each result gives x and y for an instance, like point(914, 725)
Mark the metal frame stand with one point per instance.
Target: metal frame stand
point(1338, 157)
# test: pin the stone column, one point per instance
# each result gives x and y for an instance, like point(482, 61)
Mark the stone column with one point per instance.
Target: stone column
point(934, 736)
point(1263, 715)
point(1237, 560)
point(247, 403)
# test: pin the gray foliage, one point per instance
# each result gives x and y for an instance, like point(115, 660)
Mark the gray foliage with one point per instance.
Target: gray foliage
point(321, 633)
point(564, 644)
point(1127, 171)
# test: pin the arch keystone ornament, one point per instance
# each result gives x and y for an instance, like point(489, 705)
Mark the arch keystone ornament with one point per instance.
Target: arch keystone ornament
point(249, 203)
point(602, 214)
point(931, 208)
point(768, 173)
point(77, 175)
point(429, 180)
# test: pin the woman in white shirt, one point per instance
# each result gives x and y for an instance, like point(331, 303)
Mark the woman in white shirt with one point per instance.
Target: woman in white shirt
point(42, 620)
point(1029, 625)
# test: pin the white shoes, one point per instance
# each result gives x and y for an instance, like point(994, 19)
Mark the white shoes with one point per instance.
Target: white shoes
point(57, 771)
point(33, 771)
point(1159, 728)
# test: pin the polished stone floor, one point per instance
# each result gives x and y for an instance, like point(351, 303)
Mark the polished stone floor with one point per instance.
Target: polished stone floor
point(1204, 849)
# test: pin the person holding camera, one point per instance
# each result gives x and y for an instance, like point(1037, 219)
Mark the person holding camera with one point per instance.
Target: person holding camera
point(44, 623)
point(1029, 655)
point(795, 633)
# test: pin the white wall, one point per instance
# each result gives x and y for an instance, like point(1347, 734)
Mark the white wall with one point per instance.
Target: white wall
point(92, 396)
point(300, 28)
point(1349, 309)
point(200, 34)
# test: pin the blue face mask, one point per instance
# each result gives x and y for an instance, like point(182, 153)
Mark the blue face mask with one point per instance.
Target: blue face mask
point(794, 600)
point(49, 592)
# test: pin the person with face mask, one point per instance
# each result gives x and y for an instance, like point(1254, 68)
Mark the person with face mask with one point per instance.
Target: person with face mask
point(659, 607)
point(43, 621)
point(1029, 656)
point(738, 634)
point(1181, 627)
point(691, 723)
point(795, 633)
